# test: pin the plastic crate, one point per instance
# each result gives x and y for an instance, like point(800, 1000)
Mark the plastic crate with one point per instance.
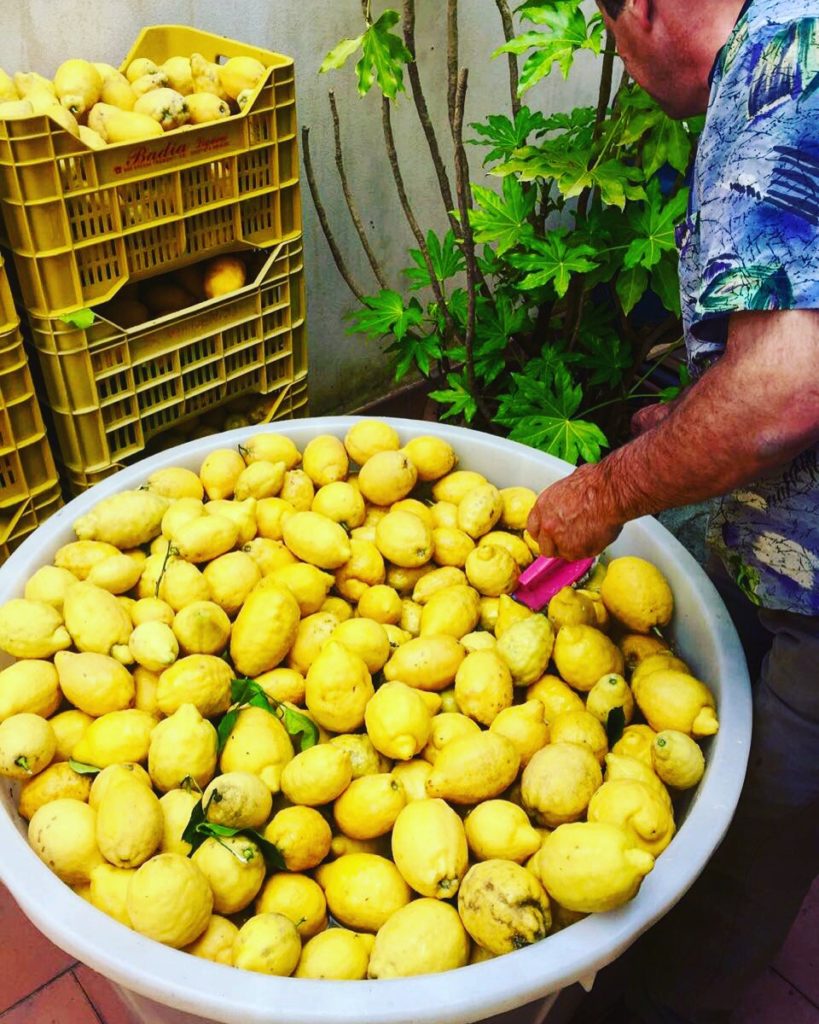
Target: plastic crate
point(18, 521)
point(81, 222)
point(111, 389)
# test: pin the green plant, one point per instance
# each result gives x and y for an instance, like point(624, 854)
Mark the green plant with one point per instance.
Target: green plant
point(522, 310)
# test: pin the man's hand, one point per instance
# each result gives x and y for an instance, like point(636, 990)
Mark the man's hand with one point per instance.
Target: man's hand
point(574, 518)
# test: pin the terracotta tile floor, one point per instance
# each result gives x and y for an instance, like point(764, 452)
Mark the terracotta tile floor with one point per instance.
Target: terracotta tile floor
point(39, 984)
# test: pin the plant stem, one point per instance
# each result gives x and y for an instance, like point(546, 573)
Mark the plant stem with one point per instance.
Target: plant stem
point(389, 139)
point(348, 197)
point(452, 59)
point(509, 33)
point(322, 216)
point(423, 112)
point(468, 242)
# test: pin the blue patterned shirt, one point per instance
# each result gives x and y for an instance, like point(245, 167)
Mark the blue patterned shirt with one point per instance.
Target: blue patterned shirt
point(751, 242)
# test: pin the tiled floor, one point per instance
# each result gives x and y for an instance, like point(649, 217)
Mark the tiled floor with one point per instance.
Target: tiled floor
point(39, 984)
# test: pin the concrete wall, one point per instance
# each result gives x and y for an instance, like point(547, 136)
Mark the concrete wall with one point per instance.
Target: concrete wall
point(345, 371)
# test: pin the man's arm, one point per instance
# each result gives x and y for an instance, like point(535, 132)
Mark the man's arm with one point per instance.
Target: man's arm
point(751, 413)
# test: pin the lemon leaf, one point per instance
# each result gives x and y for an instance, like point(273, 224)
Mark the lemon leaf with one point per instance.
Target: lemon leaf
point(245, 692)
point(83, 769)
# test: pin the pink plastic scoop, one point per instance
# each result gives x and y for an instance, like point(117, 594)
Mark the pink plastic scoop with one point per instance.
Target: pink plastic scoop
point(538, 584)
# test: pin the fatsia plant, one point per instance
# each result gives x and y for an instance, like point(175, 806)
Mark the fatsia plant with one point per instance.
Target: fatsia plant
point(524, 308)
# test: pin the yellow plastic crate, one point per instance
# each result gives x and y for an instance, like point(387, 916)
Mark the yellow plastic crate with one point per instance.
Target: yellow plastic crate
point(111, 389)
point(81, 223)
point(18, 521)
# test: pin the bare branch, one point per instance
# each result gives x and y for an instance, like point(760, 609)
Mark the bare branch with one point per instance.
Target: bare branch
point(509, 35)
point(348, 197)
point(322, 216)
point(452, 58)
point(423, 111)
point(468, 243)
point(389, 139)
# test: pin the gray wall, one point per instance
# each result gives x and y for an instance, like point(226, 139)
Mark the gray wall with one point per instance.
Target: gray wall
point(345, 371)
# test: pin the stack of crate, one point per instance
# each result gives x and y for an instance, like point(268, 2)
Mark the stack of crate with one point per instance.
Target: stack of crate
point(84, 225)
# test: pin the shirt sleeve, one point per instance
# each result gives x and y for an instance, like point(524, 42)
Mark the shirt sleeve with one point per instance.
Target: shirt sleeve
point(757, 181)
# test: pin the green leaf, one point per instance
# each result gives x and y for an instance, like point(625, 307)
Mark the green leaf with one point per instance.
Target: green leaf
point(198, 829)
point(506, 135)
point(671, 393)
point(383, 57)
point(617, 183)
point(340, 54)
point(247, 693)
point(385, 313)
point(654, 222)
point(83, 769)
point(631, 286)
point(82, 319)
point(567, 33)
point(504, 219)
point(606, 356)
point(665, 281)
point(446, 258)
point(615, 725)
point(458, 397)
point(551, 261)
point(416, 350)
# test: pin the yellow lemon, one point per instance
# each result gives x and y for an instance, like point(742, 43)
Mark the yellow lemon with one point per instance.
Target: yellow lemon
point(446, 727)
point(337, 689)
point(380, 603)
point(386, 477)
point(369, 806)
point(264, 629)
point(580, 727)
point(78, 557)
point(677, 759)
point(592, 866)
point(473, 768)
point(201, 627)
point(270, 515)
point(259, 480)
point(175, 482)
point(491, 570)
point(413, 777)
point(177, 806)
point(151, 609)
point(231, 577)
point(257, 743)
point(316, 539)
point(241, 513)
point(583, 654)
point(404, 539)
point(283, 684)
point(312, 633)
point(27, 745)
point(112, 776)
point(416, 507)
point(363, 890)
point(438, 579)
point(403, 580)
point(410, 616)
point(655, 662)
point(398, 721)
point(558, 783)
point(109, 891)
point(117, 574)
point(444, 513)
point(453, 611)
point(367, 638)
point(678, 701)
point(424, 937)
point(30, 685)
point(63, 835)
point(336, 954)
point(116, 737)
point(429, 848)
point(510, 542)
point(638, 810)
point(364, 568)
point(298, 898)
point(97, 622)
point(216, 941)
point(199, 679)
point(637, 594)
point(636, 647)
point(483, 686)
point(238, 800)
point(501, 829)
point(271, 447)
point(94, 683)
point(608, 693)
point(554, 695)
point(68, 727)
point(205, 538)
point(325, 460)
point(503, 906)
point(456, 484)
point(619, 766)
point(341, 502)
point(518, 502)
point(182, 746)
point(636, 741)
point(433, 457)
point(301, 835)
point(56, 782)
point(526, 647)
point(505, 613)
point(169, 900)
point(479, 510)
point(451, 546)
point(525, 726)
point(235, 870)
point(479, 640)
point(129, 824)
point(49, 584)
point(366, 437)
point(298, 489)
point(364, 758)
point(317, 775)
point(220, 471)
point(181, 584)
point(154, 646)
point(570, 608)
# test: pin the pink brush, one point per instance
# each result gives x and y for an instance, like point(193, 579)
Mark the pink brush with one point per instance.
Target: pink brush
point(538, 584)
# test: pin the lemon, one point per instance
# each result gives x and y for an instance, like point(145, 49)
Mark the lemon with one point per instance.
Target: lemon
point(677, 759)
point(602, 619)
point(636, 808)
point(117, 574)
point(366, 437)
point(301, 835)
point(97, 622)
point(270, 447)
point(456, 484)
point(342, 845)
point(473, 768)
point(362, 890)
point(490, 610)
point(63, 835)
point(451, 546)
point(367, 638)
point(444, 513)
point(152, 609)
point(637, 594)
point(312, 633)
point(338, 687)
point(570, 608)
point(116, 737)
point(235, 870)
point(436, 580)
point(398, 721)
point(204, 538)
point(413, 777)
point(268, 554)
point(201, 627)
point(32, 629)
point(220, 471)
point(296, 897)
point(655, 662)
point(259, 480)
point(503, 906)
point(483, 686)
point(169, 900)
point(27, 745)
point(317, 775)
point(620, 766)
point(404, 539)
point(264, 629)
point(112, 776)
point(216, 941)
point(505, 614)
point(29, 686)
point(591, 866)
point(298, 489)
point(369, 806)
point(387, 477)
point(231, 577)
point(424, 937)
point(175, 482)
point(403, 580)
point(270, 515)
point(491, 570)
point(554, 695)
point(49, 584)
point(283, 684)
point(526, 647)
point(180, 511)
point(109, 891)
point(241, 513)
point(364, 758)
point(583, 654)
point(518, 502)
point(316, 539)
point(364, 568)
point(56, 782)
point(446, 727)
point(636, 741)
point(608, 693)
point(636, 647)
point(337, 954)
point(257, 743)
point(199, 679)
point(68, 727)
point(238, 800)
point(678, 701)
point(380, 603)
point(130, 823)
point(416, 507)
point(580, 727)
point(525, 726)
point(558, 783)
point(453, 611)
point(79, 556)
point(154, 646)
point(433, 457)
point(501, 829)
point(325, 460)
point(510, 542)
point(182, 746)
point(94, 683)
point(479, 640)
point(341, 502)
point(396, 635)
point(176, 806)
point(479, 510)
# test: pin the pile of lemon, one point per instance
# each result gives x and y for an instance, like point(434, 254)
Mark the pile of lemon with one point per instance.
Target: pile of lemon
point(286, 716)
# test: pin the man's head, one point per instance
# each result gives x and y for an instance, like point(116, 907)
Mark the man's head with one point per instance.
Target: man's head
point(669, 47)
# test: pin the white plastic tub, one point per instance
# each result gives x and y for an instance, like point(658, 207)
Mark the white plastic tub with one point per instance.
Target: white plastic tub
point(704, 635)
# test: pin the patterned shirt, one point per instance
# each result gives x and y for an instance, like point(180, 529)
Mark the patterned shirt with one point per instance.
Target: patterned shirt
point(751, 242)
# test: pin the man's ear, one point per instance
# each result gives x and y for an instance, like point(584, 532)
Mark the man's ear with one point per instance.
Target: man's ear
point(641, 13)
